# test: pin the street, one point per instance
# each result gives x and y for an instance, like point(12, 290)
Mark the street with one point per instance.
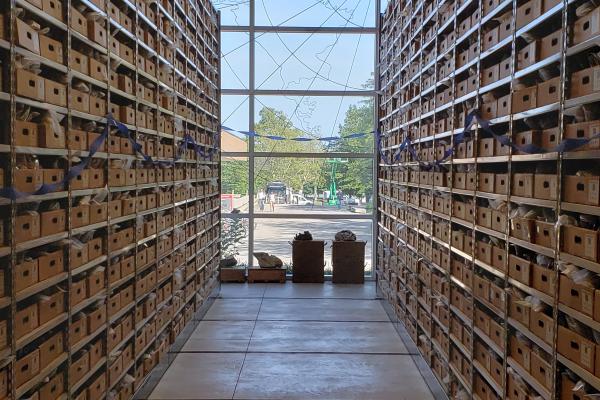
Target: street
point(272, 235)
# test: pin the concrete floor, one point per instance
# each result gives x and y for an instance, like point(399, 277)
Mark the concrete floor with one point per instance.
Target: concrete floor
point(295, 341)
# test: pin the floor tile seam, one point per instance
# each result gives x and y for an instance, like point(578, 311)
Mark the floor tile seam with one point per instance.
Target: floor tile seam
point(297, 352)
point(247, 348)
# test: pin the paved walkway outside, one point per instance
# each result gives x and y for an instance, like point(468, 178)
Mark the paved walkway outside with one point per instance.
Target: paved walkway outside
point(294, 341)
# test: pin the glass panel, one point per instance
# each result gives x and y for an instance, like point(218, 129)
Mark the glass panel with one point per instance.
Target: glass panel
point(273, 236)
point(346, 13)
point(235, 60)
point(234, 238)
point(234, 184)
point(234, 115)
point(314, 117)
point(286, 185)
point(233, 12)
point(304, 61)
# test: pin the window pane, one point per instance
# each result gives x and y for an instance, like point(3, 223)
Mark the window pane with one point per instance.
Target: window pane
point(273, 236)
point(315, 117)
point(233, 12)
point(234, 184)
point(234, 239)
point(347, 13)
point(235, 60)
point(313, 186)
point(234, 114)
point(303, 61)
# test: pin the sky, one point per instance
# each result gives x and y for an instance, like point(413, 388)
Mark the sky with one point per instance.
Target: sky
point(308, 61)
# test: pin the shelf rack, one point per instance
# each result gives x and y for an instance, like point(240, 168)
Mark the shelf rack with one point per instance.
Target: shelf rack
point(446, 269)
point(156, 67)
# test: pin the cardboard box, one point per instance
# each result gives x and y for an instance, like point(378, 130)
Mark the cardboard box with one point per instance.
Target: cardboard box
point(26, 320)
point(97, 32)
point(545, 186)
point(50, 264)
point(53, 222)
point(51, 308)
point(519, 269)
point(26, 274)
point(541, 370)
point(545, 234)
point(27, 37)
point(551, 44)
point(548, 92)
point(51, 349)
point(528, 12)
point(503, 107)
point(576, 348)
point(53, 8)
point(27, 227)
point(25, 134)
point(97, 388)
point(79, 366)
point(27, 367)
point(528, 55)
point(80, 62)
point(30, 85)
point(520, 352)
point(586, 26)
point(490, 39)
point(95, 319)
point(524, 99)
point(584, 82)
point(578, 297)
point(53, 388)
point(580, 242)
point(98, 70)
point(51, 49)
point(522, 228)
point(523, 185)
point(78, 292)
point(79, 22)
point(486, 182)
point(541, 325)
point(582, 189)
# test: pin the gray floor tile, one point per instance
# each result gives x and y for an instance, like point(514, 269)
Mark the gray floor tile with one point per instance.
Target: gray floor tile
point(234, 309)
point(322, 310)
point(335, 337)
point(318, 290)
point(242, 290)
point(200, 376)
point(220, 336)
point(330, 376)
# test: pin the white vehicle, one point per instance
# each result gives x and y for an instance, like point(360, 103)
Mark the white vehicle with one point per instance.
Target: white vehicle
point(301, 200)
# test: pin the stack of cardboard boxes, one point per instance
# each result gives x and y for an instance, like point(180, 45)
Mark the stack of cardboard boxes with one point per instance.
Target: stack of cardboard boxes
point(111, 264)
point(491, 224)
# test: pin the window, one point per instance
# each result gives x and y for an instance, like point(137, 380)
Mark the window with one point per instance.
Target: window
point(298, 72)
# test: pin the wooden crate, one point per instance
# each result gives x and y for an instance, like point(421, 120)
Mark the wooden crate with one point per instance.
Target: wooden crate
point(269, 275)
point(308, 261)
point(233, 275)
point(348, 260)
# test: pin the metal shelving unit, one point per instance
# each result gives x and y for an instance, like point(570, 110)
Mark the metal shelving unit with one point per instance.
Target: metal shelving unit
point(179, 96)
point(432, 60)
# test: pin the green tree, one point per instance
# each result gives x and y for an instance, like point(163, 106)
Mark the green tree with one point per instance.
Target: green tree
point(234, 174)
point(356, 177)
point(297, 173)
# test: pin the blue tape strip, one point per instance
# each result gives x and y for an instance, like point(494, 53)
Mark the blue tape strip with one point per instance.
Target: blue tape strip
point(13, 194)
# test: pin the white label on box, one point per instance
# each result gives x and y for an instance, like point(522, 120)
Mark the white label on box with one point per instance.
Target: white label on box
point(589, 248)
point(593, 191)
point(596, 84)
point(587, 302)
point(586, 355)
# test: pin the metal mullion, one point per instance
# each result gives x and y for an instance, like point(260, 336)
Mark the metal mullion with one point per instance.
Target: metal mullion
point(69, 201)
point(219, 114)
point(13, 204)
point(299, 29)
point(377, 136)
point(324, 216)
point(110, 195)
point(299, 92)
point(509, 174)
point(559, 173)
point(251, 105)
